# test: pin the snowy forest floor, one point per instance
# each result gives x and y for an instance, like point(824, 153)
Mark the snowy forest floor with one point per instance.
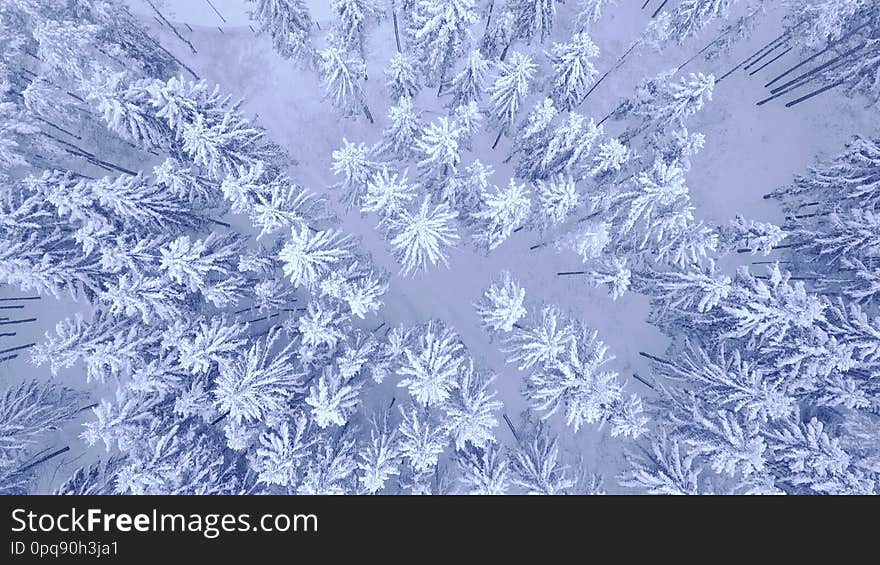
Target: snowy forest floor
point(749, 151)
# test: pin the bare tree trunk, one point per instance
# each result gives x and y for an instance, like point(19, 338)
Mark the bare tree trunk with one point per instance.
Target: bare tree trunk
point(658, 10)
point(748, 60)
point(25, 320)
point(616, 66)
point(506, 48)
point(815, 55)
point(396, 31)
point(818, 69)
point(44, 459)
point(18, 348)
point(440, 86)
point(656, 359)
point(489, 14)
point(510, 425)
point(90, 156)
point(758, 59)
point(611, 113)
point(176, 60)
point(498, 138)
point(59, 128)
point(643, 381)
point(165, 21)
point(801, 83)
point(810, 95)
point(216, 10)
point(770, 62)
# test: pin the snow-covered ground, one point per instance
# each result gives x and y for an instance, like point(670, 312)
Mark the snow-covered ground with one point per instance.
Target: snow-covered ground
point(749, 151)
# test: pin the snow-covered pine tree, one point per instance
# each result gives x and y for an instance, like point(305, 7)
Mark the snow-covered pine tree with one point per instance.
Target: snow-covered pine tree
point(439, 147)
point(342, 75)
point(502, 210)
point(422, 236)
point(574, 70)
point(308, 256)
point(591, 11)
point(467, 85)
point(557, 199)
point(353, 18)
point(566, 363)
point(661, 103)
point(498, 38)
point(401, 134)
point(545, 151)
point(690, 17)
point(470, 410)
point(289, 24)
point(402, 77)
point(257, 385)
point(430, 369)
point(388, 195)
point(509, 91)
point(482, 471)
point(533, 18)
point(501, 306)
point(354, 163)
point(440, 32)
point(27, 412)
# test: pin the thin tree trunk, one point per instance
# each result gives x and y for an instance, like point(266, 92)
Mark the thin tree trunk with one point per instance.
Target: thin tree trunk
point(643, 381)
point(367, 112)
point(764, 54)
point(796, 67)
point(657, 359)
point(216, 10)
point(44, 459)
point(814, 56)
point(489, 14)
point(616, 66)
point(766, 46)
point(165, 21)
point(21, 298)
point(748, 60)
point(442, 80)
point(645, 5)
point(176, 60)
point(800, 84)
point(818, 69)
point(220, 418)
point(611, 113)
point(90, 156)
point(396, 30)
point(810, 95)
point(89, 407)
point(700, 52)
point(498, 138)
point(506, 48)
point(510, 425)
point(59, 128)
point(23, 321)
point(657, 11)
point(569, 273)
point(770, 62)
point(18, 348)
